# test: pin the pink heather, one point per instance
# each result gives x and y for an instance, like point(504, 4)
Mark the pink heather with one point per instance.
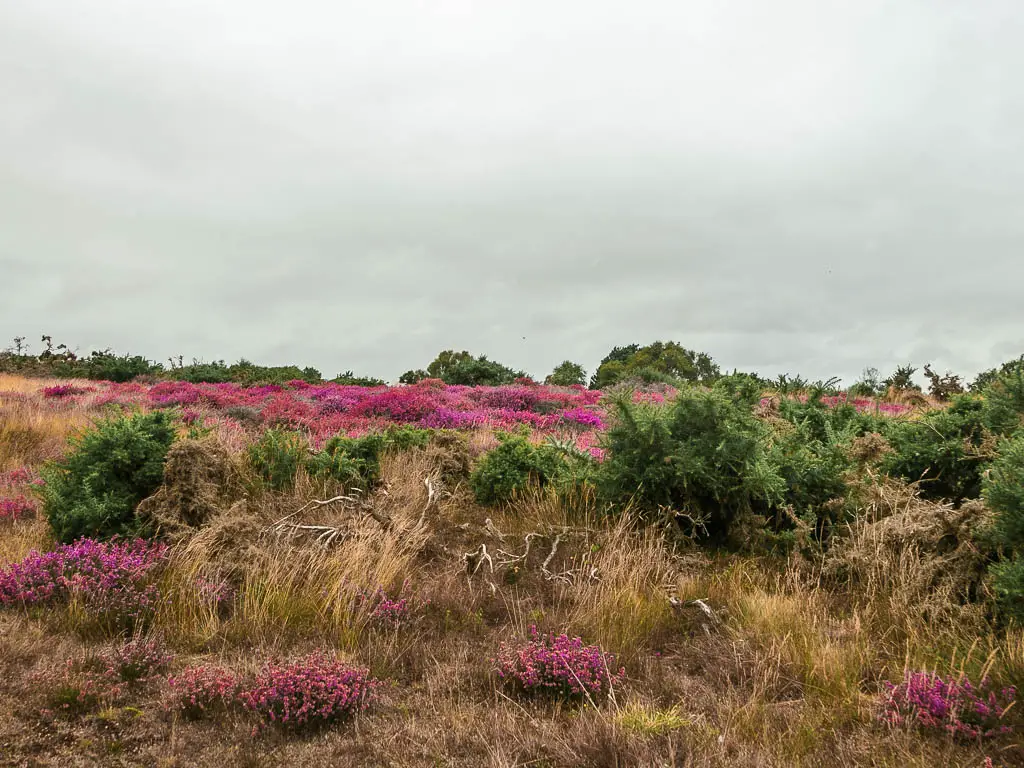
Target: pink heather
point(559, 666)
point(958, 707)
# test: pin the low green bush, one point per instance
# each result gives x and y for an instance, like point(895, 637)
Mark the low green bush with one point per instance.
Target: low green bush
point(1004, 401)
point(110, 468)
point(1004, 494)
point(276, 457)
point(514, 466)
point(944, 449)
point(705, 456)
point(107, 366)
point(356, 460)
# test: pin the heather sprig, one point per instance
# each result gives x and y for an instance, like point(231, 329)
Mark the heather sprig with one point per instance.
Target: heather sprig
point(955, 706)
point(559, 666)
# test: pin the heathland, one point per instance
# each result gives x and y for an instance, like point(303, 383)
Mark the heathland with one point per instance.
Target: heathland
point(213, 565)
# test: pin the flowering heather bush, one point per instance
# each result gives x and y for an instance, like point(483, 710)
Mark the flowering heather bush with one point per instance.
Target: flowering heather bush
point(19, 476)
point(313, 691)
point(957, 707)
point(560, 666)
point(583, 417)
point(64, 390)
point(865, 405)
point(190, 416)
point(198, 692)
point(111, 581)
point(510, 398)
point(17, 507)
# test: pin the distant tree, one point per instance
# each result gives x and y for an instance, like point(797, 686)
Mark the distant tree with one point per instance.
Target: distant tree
point(411, 377)
point(566, 374)
point(870, 384)
point(985, 378)
point(481, 372)
point(462, 368)
point(445, 362)
point(903, 379)
point(943, 387)
point(657, 361)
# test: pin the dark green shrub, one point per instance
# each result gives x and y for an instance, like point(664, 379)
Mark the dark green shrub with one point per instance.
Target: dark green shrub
point(741, 387)
point(902, 379)
point(413, 377)
point(481, 372)
point(814, 473)
point(202, 373)
point(350, 379)
point(704, 456)
point(356, 460)
point(404, 437)
point(1004, 401)
point(1004, 494)
point(106, 366)
point(110, 468)
point(463, 368)
point(945, 449)
point(249, 374)
point(983, 379)
point(276, 457)
point(512, 467)
point(839, 423)
point(333, 462)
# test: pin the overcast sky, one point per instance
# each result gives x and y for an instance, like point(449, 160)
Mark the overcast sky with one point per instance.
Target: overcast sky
point(803, 186)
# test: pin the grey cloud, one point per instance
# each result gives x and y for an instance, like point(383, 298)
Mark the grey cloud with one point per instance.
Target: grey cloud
point(802, 186)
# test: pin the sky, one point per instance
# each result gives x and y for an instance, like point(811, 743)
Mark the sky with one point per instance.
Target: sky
point(795, 186)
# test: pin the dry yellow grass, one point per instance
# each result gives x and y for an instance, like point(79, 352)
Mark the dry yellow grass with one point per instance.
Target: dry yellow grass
point(31, 434)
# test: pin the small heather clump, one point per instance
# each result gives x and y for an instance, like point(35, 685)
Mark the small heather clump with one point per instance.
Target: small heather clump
point(138, 659)
point(79, 686)
point(957, 707)
point(19, 476)
point(313, 691)
point(199, 692)
point(560, 666)
point(17, 507)
point(218, 593)
point(390, 612)
point(114, 581)
point(63, 390)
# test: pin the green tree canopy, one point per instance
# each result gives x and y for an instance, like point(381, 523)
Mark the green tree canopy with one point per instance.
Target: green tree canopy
point(657, 361)
point(566, 374)
point(463, 368)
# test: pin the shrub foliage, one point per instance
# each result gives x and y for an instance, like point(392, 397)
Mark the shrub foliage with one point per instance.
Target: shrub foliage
point(110, 468)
